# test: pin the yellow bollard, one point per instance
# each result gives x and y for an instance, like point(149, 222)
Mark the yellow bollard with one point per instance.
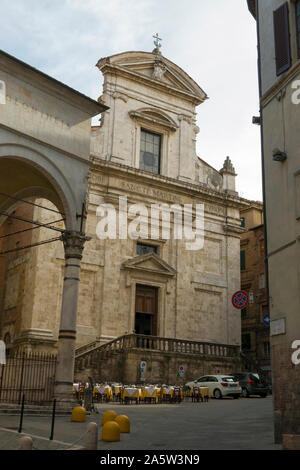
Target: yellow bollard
point(110, 431)
point(108, 415)
point(78, 414)
point(124, 423)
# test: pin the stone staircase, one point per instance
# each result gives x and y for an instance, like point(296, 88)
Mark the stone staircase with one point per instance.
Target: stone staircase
point(119, 359)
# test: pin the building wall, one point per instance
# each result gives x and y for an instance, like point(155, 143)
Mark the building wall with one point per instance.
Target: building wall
point(253, 281)
point(280, 119)
point(267, 45)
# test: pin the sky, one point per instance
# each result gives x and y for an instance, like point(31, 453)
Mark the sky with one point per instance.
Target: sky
point(213, 41)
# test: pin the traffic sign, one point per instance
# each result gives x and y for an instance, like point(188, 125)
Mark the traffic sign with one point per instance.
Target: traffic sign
point(181, 371)
point(266, 319)
point(240, 299)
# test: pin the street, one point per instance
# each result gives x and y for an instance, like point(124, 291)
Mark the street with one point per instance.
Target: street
point(227, 424)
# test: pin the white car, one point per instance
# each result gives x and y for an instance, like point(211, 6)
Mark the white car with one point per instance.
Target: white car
point(219, 385)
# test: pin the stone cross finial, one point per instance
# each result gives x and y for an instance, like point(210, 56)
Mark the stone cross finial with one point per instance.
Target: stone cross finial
point(157, 44)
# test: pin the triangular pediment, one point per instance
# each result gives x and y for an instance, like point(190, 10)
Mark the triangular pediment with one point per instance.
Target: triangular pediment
point(149, 262)
point(156, 68)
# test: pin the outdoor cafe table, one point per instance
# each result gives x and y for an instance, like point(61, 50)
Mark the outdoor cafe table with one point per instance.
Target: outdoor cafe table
point(167, 391)
point(204, 392)
point(104, 391)
point(130, 393)
point(151, 392)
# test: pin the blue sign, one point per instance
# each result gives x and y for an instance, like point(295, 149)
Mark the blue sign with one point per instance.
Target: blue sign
point(266, 320)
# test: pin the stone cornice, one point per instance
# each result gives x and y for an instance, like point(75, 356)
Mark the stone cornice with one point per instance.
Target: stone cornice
point(194, 189)
point(233, 230)
point(143, 117)
point(253, 205)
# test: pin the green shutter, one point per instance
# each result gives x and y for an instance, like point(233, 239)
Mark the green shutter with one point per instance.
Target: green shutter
point(282, 38)
point(243, 260)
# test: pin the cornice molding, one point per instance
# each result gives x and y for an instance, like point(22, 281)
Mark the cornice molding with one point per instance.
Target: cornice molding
point(233, 230)
point(199, 189)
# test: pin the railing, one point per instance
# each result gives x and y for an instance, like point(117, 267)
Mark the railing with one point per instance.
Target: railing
point(87, 347)
point(155, 343)
point(30, 374)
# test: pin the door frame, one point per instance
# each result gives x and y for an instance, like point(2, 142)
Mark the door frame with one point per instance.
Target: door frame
point(155, 314)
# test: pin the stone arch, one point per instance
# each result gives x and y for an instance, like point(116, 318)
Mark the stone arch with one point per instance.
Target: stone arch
point(27, 173)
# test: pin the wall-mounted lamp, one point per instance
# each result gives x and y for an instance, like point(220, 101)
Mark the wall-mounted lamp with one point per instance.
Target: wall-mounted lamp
point(279, 156)
point(256, 120)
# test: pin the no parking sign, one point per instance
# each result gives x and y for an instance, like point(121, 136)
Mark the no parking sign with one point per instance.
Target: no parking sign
point(240, 299)
point(181, 371)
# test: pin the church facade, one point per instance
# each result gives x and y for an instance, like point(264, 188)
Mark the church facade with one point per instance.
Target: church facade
point(143, 155)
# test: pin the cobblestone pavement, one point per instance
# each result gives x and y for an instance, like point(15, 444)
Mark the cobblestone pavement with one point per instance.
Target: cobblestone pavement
point(244, 424)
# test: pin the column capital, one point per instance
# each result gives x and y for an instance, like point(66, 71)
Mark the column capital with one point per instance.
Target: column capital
point(74, 243)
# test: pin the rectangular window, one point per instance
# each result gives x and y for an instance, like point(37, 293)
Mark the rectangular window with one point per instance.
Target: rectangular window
point(282, 38)
point(243, 222)
point(246, 342)
point(298, 26)
point(143, 249)
point(150, 152)
point(266, 349)
point(243, 260)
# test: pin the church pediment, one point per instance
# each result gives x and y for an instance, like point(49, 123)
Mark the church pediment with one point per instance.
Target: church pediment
point(155, 68)
point(155, 117)
point(149, 262)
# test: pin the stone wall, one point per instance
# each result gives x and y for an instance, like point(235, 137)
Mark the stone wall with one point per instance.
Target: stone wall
point(286, 393)
point(162, 367)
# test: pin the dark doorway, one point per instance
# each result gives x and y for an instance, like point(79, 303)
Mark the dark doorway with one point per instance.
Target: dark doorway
point(146, 310)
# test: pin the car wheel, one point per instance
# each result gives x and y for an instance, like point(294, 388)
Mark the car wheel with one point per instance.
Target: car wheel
point(217, 394)
point(245, 393)
point(263, 395)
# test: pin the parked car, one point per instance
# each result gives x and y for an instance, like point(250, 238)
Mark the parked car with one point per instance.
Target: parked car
point(251, 383)
point(219, 385)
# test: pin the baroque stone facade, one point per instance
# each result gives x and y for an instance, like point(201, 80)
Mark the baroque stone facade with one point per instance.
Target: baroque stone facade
point(153, 285)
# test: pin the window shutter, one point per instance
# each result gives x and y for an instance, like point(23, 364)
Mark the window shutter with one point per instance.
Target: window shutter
point(243, 260)
point(282, 39)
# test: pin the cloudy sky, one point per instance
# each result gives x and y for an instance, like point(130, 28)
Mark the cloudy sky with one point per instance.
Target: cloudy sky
point(213, 41)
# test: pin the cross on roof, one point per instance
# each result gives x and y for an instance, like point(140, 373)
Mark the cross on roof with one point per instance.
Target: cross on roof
point(157, 39)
